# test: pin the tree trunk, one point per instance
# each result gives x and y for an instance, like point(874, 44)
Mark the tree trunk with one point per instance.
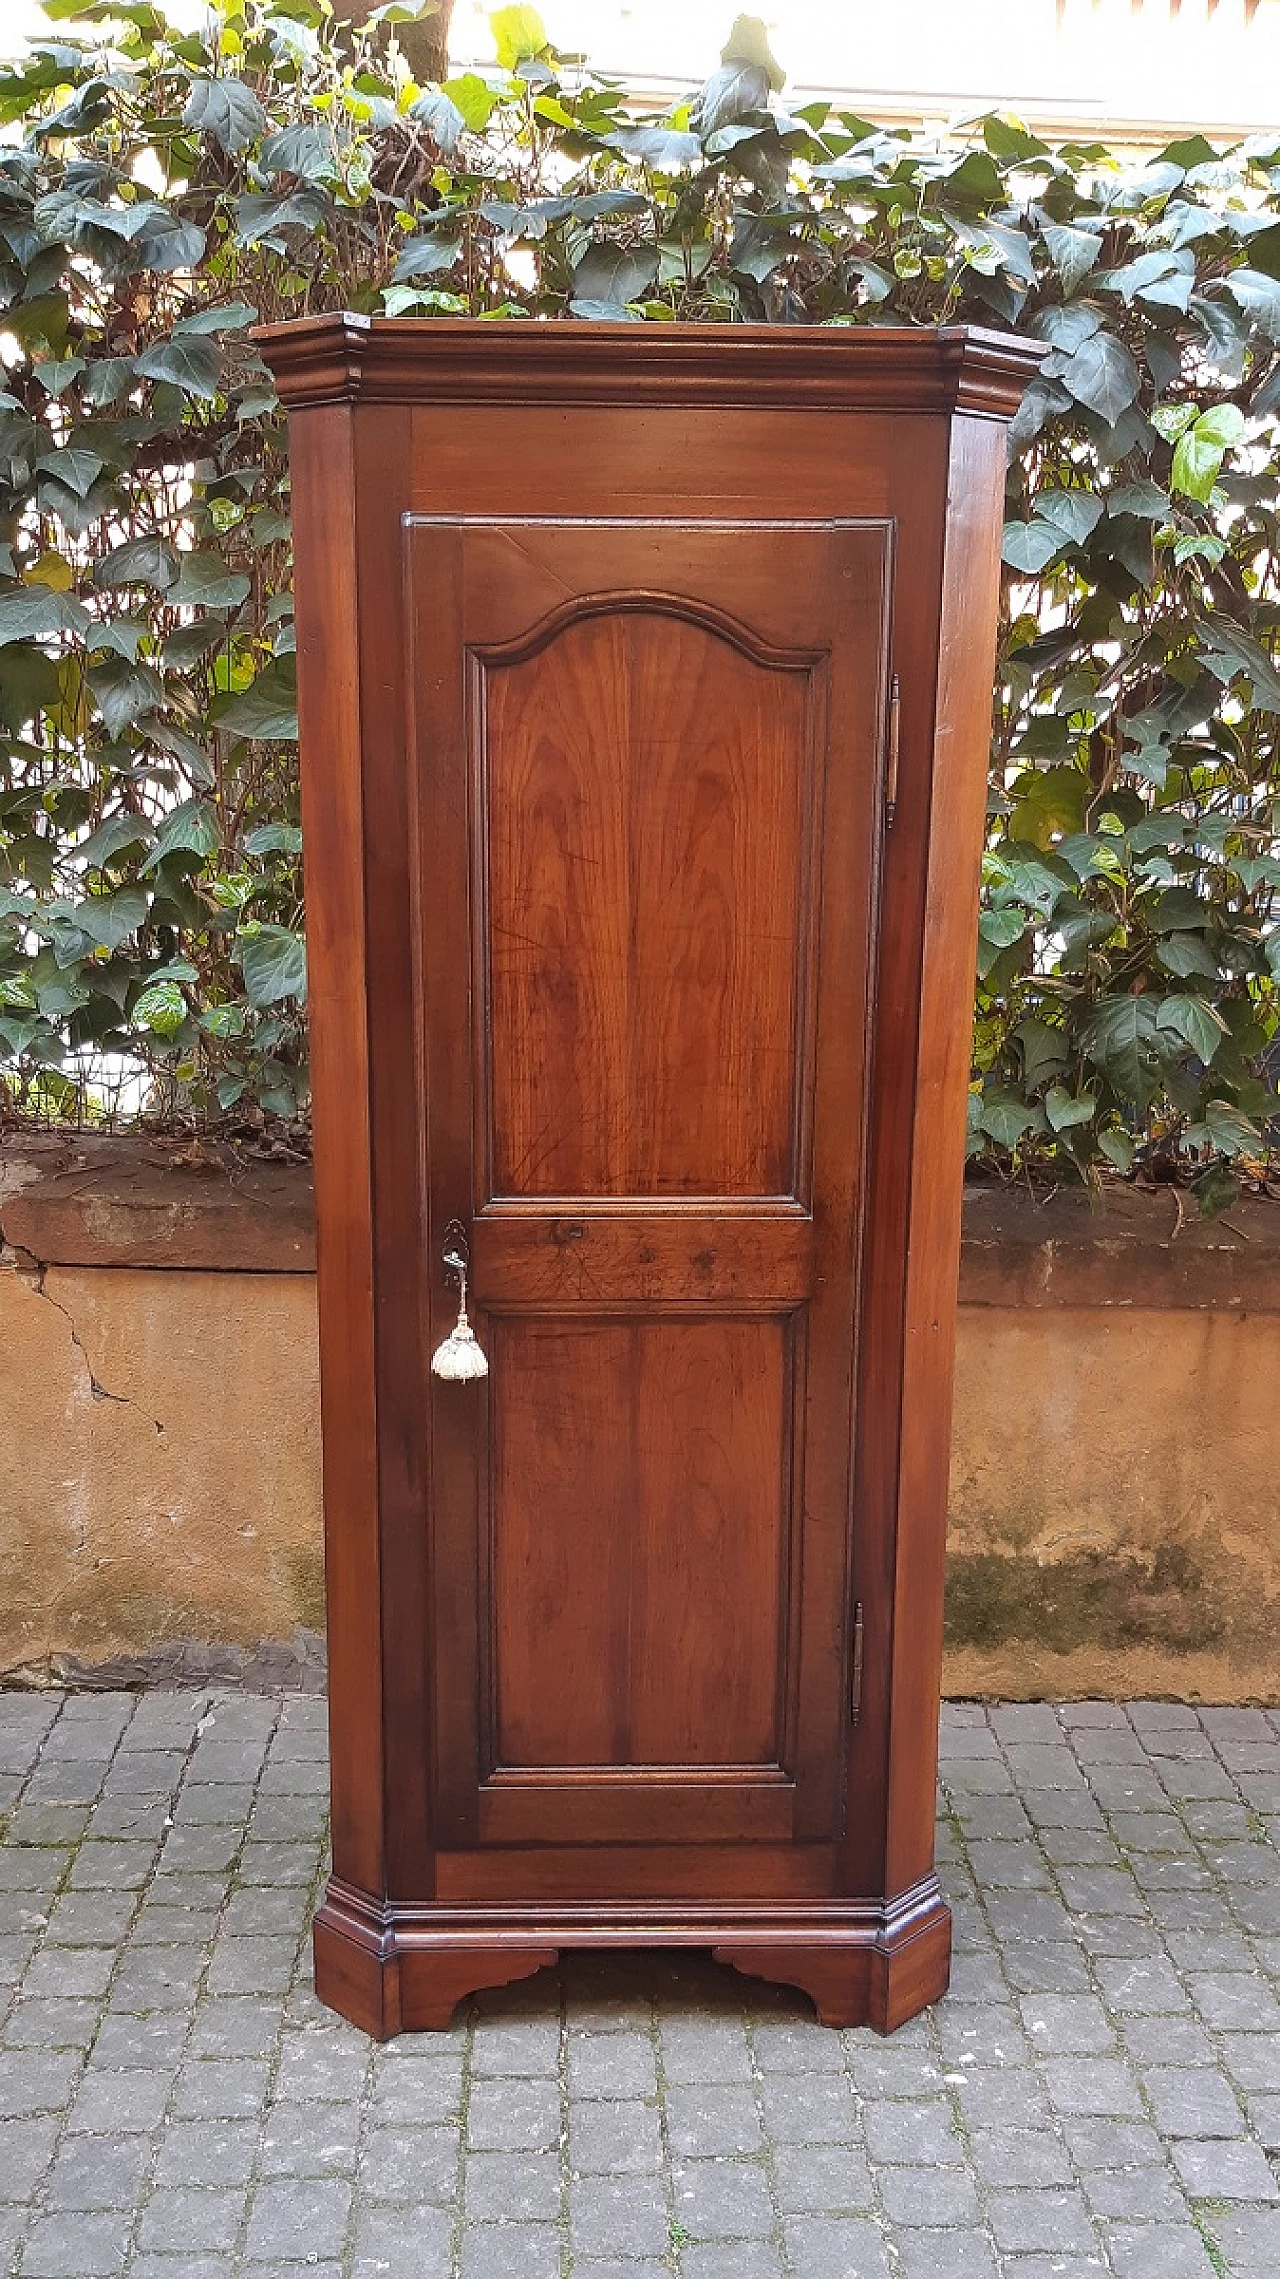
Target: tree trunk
point(425, 45)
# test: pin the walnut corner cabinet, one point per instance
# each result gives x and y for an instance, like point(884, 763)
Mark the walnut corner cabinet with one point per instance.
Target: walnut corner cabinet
point(645, 681)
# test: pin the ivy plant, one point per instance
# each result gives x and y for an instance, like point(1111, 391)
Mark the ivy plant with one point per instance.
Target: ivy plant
point(163, 190)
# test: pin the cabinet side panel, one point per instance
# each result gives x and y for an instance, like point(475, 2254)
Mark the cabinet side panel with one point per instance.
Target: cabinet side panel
point(966, 651)
point(396, 1137)
point(321, 459)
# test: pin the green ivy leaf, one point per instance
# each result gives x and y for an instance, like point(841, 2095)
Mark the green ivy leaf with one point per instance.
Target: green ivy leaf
point(616, 274)
point(1230, 1132)
point(110, 919)
point(226, 109)
point(139, 562)
point(517, 34)
point(1195, 1022)
point(1119, 1037)
point(1031, 546)
point(268, 708)
point(274, 962)
point(37, 613)
point(1076, 512)
point(191, 828)
point(1103, 375)
point(187, 360)
point(274, 839)
point(1065, 1109)
point(205, 582)
point(472, 99)
point(113, 835)
point(1073, 253)
point(1005, 1118)
point(439, 114)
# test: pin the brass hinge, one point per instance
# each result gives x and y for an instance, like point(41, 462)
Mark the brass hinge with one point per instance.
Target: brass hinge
point(891, 765)
point(855, 1687)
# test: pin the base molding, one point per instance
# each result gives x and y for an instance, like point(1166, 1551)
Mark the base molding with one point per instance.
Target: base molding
point(395, 1968)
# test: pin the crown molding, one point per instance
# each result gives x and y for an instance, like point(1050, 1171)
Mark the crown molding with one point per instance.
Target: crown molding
point(346, 358)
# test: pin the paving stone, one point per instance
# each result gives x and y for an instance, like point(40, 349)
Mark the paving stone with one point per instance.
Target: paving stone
point(51, 2025)
point(71, 1970)
point(1067, 2024)
point(125, 2040)
point(745, 2259)
point(1264, 2119)
point(96, 2172)
point(88, 2246)
point(296, 2218)
point(252, 1966)
point(623, 2137)
point(1147, 2195)
point(221, 2089)
point(1092, 2085)
point(513, 2185)
point(1193, 2101)
point(1051, 1968)
point(1253, 2060)
point(407, 2094)
point(613, 2065)
point(1028, 2157)
point(414, 2243)
point(892, 2069)
point(110, 2103)
point(235, 2025)
point(1094, 2143)
point(837, 2247)
point(1146, 1985)
point(722, 2199)
point(319, 2140)
point(322, 2063)
point(800, 2111)
point(1151, 2251)
point(969, 2256)
point(936, 2197)
point(1053, 2221)
point(618, 2214)
point(111, 1867)
point(912, 2133)
point(823, 2180)
point(1117, 1965)
point(159, 1978)
point(207, 2153)
point(177, 2220)
point(1225, 2169)
point(500, 2251)
point(35, 2081)
point(1157, 2041)
point(513, 2116)
point(516, 2046)
point(26, 2148)
point(89, 1919)
point(1249, 2238)
point(704, 2050)
point(1012, 2098)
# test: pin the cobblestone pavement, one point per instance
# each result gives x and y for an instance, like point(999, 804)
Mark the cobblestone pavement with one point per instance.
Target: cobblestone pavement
point(1101, 2091)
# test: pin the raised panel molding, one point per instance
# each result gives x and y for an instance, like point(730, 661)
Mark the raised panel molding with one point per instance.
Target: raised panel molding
point(645, 804)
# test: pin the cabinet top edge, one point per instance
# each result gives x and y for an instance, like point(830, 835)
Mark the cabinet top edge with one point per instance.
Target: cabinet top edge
point(346, 358)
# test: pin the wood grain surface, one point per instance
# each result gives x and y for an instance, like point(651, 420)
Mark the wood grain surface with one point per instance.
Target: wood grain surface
point(619, 963)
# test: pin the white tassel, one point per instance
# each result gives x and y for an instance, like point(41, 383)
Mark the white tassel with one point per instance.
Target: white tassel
point(460, 1357)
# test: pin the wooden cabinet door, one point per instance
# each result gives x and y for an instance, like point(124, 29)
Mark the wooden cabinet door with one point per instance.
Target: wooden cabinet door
point(647, 768)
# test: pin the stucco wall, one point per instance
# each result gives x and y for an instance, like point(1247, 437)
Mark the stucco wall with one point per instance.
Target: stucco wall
point(1114, 1513)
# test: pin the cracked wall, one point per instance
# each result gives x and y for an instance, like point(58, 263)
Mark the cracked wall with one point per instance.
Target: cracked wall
point(159, 1462)
point(1114, 1522)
